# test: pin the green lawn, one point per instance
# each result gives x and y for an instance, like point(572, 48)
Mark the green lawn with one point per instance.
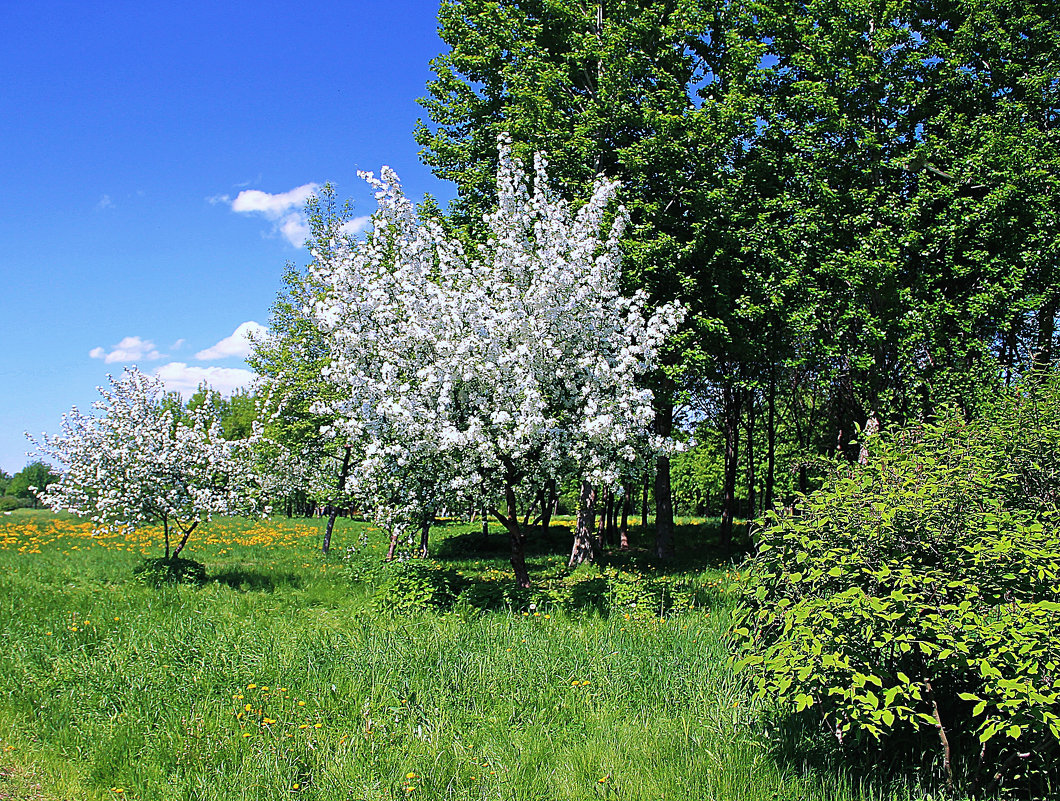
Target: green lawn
point(288, 675)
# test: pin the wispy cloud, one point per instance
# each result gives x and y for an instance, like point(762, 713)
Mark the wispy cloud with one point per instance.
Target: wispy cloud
point(237, 344)
point(130, 350)
point(356, 225)
point(284, 209)
point(104, 202)
point(185, 379)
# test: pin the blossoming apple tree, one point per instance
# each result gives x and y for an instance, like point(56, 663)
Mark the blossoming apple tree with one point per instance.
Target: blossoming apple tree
point(503, 365)
point(144, 460)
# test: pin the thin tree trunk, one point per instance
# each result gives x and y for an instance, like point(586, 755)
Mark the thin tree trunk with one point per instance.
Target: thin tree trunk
point(184, 539)
point(751, 455)
point(425, 532)
point(771, 438)
point(165, 532)
point(485, 525)
point(582, 550)
point(393, 546)
point(518, 539)
point(601, 526)
point(664, 508)
point(731, 432)
point(1046, 332)
point(623, 531)
point(644, 500)
point(548, 504)
point(343, 473)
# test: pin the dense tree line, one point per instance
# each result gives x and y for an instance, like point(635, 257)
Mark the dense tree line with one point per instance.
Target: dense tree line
point(857, 203)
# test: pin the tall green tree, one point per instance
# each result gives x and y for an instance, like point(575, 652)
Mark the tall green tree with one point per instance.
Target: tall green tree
point(638, 91)
point(30, 481)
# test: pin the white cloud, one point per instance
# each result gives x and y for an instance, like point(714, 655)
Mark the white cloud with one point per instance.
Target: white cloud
point(356, 225)
point(179, 377)
point(105, 203)
point(129, 351)
point(283, 209)
point(238, 344)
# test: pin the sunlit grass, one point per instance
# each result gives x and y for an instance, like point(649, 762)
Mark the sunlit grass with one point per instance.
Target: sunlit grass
point(285, 675)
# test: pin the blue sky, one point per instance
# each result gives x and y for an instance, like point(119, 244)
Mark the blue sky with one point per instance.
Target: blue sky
point(153, 161)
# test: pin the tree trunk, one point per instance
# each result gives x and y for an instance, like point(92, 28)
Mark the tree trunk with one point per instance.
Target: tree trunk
point(343, 473)
point(751, 511)
point(623, 530)
point(601, 526)
point(425, 531)
point(184, 539)
point(731, 432)
point(644, 501)
point(771, 438)
point(485, 525)
point(393, 546)
point(547, 505)
point(664, 508)
point(518, 539)
point(1046, 332)
point(583, 550)
point(165, 532)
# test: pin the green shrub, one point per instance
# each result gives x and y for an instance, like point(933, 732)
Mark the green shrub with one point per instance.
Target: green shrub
point(915, 599)
point(170, 571)
point(8, 503)
point(416, 585)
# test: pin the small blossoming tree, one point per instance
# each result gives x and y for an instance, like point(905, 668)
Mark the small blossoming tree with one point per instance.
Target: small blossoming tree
point(144, 460)
point(509, 365)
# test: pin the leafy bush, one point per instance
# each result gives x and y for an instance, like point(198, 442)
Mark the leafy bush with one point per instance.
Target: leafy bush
point(9, 503)
point(915, 599)
point(170, 571)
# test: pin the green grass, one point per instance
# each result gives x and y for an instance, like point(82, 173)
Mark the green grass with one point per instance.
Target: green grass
point(114, 688)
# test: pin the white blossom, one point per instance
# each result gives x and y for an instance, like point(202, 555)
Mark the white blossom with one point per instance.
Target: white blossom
point(492, 369)
point(144, 460)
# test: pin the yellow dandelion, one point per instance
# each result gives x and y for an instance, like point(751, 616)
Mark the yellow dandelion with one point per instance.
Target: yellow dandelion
point(410, 775)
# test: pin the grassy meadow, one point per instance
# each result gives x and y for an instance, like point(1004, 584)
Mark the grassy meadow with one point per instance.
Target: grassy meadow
point(292, 675)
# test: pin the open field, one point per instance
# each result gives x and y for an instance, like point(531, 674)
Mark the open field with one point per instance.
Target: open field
point(291, 675)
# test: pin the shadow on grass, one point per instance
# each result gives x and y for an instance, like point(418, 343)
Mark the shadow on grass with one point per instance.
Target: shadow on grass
point(906, 765)
point(627, 582)
point(248, 580)
point(698, 547)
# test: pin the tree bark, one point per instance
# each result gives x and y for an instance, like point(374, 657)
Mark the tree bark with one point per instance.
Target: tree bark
point(583, 550)
point(731, 432)
point(623, 530)
point(751, 500)
point(425, 533)
point(184, 539)
point(644, 501)
point(547, 505)
point(771, 438)
point(664, 508)
point(1046, 332)
point(601, 526)
point(334, 512)
point(518, 539)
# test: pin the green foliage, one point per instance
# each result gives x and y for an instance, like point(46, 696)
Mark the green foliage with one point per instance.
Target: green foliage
point(35, 475)
point(9, 503)
point(919, 594)
point(157, 572)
